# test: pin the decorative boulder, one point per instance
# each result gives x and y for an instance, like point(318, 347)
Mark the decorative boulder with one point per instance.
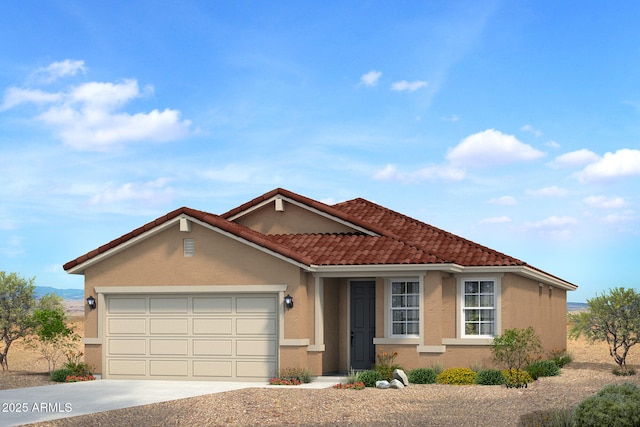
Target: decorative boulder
point(382, 384)
point(396, 384)
point(399, 375)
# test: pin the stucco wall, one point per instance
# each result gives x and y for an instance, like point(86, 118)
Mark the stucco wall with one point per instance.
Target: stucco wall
point(332, 303)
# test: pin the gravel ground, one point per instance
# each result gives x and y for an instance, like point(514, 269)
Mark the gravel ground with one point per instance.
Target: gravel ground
point(426, 405)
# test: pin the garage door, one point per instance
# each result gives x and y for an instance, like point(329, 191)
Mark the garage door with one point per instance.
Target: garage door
point(214, 337)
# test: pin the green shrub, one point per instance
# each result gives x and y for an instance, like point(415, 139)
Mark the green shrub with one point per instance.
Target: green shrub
point(369, 378)
point(542, 368)
point(517, 378)
point(490, 377)
point(60, 375)
point(614, 405)
point(548, 418)
point(79, 369)
point(619, 373)
point(385, 364)
point(560, 357)
point(457, 376)
point(422, 376)
point(301, 374)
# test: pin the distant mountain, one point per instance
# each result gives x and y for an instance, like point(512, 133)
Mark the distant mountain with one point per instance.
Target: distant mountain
point(576, 306)
point(77, 294)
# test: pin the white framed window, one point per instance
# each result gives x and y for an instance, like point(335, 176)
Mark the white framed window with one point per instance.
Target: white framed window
point(404, 307)
point(479, 301)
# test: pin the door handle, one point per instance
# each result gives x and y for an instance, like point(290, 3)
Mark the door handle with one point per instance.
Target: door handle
point(352, 339)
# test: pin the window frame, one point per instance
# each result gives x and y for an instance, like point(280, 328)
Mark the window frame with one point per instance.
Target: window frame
point(462, 308)
point(417, 294)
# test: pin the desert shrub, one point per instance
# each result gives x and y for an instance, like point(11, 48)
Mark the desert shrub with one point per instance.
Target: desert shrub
point(516, 348)
point(560, 357)
point(422, 376)
point(542, 368)
point(548, 418)
point(60, 375)
point(614, 405)
point(301, 374)
point(369, 378)
point(517, 378)
point(385, 364)
point(490, 377)
point(457, 376)
point(619, 373)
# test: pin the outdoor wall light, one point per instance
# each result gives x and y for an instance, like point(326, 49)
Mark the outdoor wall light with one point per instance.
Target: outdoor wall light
point(288, 301)
point(91, 302)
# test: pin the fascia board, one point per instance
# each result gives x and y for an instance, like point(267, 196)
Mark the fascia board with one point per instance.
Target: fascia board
point(524, 271)
point(375, 269)
point(303, 206)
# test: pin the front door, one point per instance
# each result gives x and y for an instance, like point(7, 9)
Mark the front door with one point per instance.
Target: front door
point(363, 324)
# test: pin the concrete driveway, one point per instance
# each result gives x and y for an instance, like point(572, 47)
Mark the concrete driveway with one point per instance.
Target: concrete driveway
point(51, 402)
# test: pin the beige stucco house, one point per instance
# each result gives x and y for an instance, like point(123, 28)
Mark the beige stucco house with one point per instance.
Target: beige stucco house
point(193, 295)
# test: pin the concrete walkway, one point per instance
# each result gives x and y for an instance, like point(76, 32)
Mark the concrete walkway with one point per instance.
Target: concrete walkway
point(51, 402)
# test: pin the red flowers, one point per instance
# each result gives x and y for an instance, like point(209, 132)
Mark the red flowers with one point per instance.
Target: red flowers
point(76, 378)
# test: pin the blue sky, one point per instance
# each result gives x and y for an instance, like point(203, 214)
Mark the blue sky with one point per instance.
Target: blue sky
point(515, 124)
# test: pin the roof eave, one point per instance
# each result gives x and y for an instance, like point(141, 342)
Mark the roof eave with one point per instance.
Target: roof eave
point(526, 271)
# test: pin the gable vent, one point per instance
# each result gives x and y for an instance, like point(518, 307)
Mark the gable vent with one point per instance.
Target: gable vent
point(189, 247)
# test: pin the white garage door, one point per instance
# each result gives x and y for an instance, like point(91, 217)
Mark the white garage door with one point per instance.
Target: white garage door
point(214, 337)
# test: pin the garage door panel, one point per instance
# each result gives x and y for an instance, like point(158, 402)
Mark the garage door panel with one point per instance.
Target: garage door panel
point(168, 368)
point(168, 326)
point(221, 369)
point(168, 305)
point(168, 347)
point(216, 337)
point(212, 304)
point(212, 347)
point(256, 326)
point(214, 326)
point(126, 326)
point(127, 305)
point(255, 348)
point(256, 305)
point(127, 367)
point(134, 347)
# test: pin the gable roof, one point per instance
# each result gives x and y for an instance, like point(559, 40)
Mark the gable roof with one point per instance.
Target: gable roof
point(384, 238)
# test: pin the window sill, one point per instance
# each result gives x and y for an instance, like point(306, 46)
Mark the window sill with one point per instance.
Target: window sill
point(398, 341)
point(467, 341)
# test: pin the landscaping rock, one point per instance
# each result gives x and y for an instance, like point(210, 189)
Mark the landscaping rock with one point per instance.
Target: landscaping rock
point(396, 384)
point(382, 384)
point(399, 374)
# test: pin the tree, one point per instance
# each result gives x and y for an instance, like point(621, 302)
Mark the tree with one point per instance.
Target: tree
point(53, 336)
point(16, 308)
point(515, 348)
point(612, 317)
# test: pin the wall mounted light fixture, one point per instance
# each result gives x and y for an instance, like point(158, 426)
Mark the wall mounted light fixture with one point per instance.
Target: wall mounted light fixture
point(288, 301)
point(91, 302)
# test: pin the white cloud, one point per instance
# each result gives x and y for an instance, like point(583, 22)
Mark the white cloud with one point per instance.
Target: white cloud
point(575, 159)
point(432, 172)
point(371, 78)
point(552, 191)
point(154, 192)
point(504, 200)
point(452, 118)
point(60, 69)
point(552, 223)
point(87, 117)
point(405, 86)
point(495, 220)
point(605, 202)
point(531, 129)
point(491, 148)
point(552, 144)
point(620, 217)
point(622, 163)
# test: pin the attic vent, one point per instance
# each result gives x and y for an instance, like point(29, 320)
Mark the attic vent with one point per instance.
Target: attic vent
point(189, 247)
point(279, 205)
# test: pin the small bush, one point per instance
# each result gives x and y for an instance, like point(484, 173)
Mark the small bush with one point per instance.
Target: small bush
point(517, 378)
point(385, 364)
point(490, 377)
point(301, 374)
point(618, 372)
point(369, 378)
point(614, 405)
point(284, 381)
point(60, 375)
point(422, 376)
point(457, 376)
point(350, 386)
point(548, 418)
point(560, 357)
point(543, 368)
point(79, 369)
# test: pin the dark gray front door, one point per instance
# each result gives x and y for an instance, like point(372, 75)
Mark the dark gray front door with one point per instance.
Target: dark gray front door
point(363, 324)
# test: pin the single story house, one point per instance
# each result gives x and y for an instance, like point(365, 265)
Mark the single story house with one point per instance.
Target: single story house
point(287, 281)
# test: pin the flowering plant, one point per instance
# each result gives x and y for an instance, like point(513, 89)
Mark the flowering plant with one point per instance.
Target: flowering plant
point(76, 378)
point(359, 385)
point(283, 381)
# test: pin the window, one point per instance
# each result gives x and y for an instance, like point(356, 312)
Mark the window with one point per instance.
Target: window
point(405, 310)
point(479, 308)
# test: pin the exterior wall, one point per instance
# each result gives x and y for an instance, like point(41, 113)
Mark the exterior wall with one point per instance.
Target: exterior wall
point(218, 260)
point(292, 220)
point(332, 332)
